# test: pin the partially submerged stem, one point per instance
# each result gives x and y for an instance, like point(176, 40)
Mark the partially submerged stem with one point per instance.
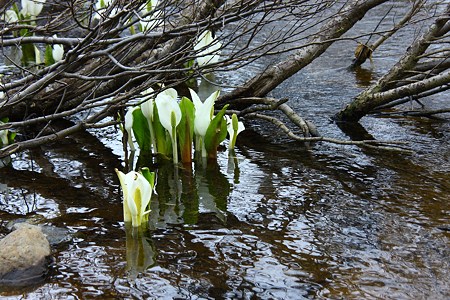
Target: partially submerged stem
point(174, 145)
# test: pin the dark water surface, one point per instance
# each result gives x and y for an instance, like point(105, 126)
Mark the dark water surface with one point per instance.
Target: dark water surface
point(281, 221)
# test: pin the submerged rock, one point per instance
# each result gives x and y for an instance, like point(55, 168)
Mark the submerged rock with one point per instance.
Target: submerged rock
point(54, 235)
point(24, 256)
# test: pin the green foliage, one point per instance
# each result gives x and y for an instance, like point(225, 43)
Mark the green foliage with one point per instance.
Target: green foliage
point(48, 56)
point(141, 131)
point(216, 133)
point(150, 176)
point(28, 54)
point(11, 137)
point(163, 143)
point(186, 129)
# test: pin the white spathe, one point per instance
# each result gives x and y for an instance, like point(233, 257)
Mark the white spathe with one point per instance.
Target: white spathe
point(234, 128)
point(209, 49)
point(129, 126)
point(166, 103)
point(137, 193)
point(203, 112)
point(4, 136)
point(11, 16)
point(32, 8)
point(58, 51)
point(147, 106)
point(37, 56)
point(147, 109)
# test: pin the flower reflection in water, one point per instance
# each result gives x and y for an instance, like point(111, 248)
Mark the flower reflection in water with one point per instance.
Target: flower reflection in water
point(182, 193)
point(141, 253)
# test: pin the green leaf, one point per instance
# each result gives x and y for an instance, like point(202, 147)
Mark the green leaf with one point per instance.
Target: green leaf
point(141, 130)
point(11, 137)
point(150, 176)
point(189, 63)
point(16, 9)
point(216, 133)
point(149, 5)
point(48, 56)
point(28, 54)
point(185, 129)
point(160, 134)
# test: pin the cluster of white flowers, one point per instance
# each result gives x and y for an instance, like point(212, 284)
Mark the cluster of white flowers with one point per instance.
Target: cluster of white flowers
point(30, 9)
point(209, 49)
point(170, 115)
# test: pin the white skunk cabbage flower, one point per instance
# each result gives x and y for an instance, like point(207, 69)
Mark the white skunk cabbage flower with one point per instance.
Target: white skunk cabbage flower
point(209, 49)
point(147, 106)
point(203, 112)
point(11, 16)
point(147, 111)
point(168, 109)
point(32, 8)
point(129, 126)
point(234, 128)
point(170, 116)
point(57, 51)
point(137, 193)
point(37, 56)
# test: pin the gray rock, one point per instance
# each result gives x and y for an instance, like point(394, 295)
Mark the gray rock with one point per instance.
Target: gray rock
point(54, 235)
point(24, 255)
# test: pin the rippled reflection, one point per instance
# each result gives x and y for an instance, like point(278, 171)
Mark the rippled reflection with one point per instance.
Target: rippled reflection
point(272, 221)
point(275, 221)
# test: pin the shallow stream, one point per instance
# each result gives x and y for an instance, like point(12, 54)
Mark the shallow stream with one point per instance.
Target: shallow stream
point(280, 221)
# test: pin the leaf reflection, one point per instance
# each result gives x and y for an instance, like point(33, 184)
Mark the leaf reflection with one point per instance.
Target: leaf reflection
point(141, 253)
point(183, 193)
point(233, 166)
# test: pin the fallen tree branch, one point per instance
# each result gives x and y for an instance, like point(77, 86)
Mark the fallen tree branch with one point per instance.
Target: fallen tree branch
point(262, 84)
point(416, 113)
point(362, 56)
point(373, 144)
point(384, 91)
